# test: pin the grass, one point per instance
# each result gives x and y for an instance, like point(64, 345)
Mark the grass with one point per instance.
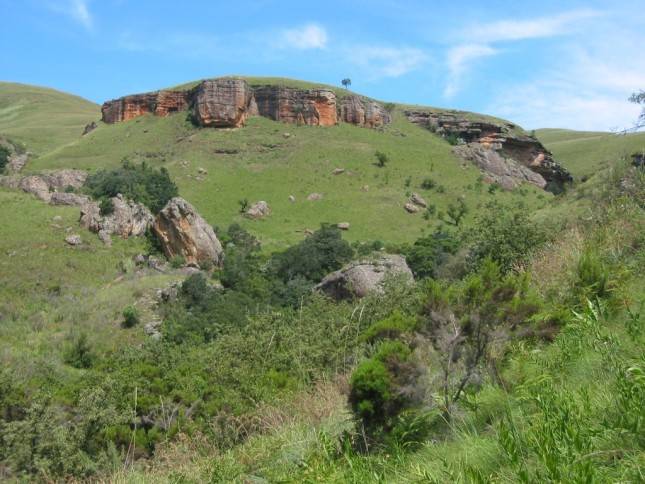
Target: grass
point(584, 153)
point(43, 119)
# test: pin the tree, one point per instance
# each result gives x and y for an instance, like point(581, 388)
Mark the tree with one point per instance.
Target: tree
point(639, 98)
point(381, 159)
point(346, 82)
point(456, 212)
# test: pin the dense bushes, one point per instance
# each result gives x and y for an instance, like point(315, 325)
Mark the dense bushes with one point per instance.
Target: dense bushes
point(4, 158)
point(140, 183)
point(427, 253)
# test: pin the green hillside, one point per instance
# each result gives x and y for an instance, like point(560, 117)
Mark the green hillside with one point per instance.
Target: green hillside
point(583, 153)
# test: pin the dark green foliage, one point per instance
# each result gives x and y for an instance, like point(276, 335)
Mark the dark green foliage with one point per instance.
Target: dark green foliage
point(313, 258)
point(389, 107)
point(4, 158)
point(506, 235)
point(593, 276)
point(140, 183)
point(106, 207)
point(427, 253)
point(428, 184)
point(376, 387)
point(453, 139)
point(367, 248)
point(177, 262)
point(78, 352)
point(391, 327)
point(130, 317)
point(456, 212)
point(244, 204)
point(381, 159)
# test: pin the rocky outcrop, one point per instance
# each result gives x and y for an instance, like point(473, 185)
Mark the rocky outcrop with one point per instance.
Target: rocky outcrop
point(313, 107)
point(222, 103)
point(71, 199)
point(363, 112)
point(46, 184)
point(418, 200)
point(508, 156)
point(360, 278)
point(227, 102)
point(159, 103)
point(127, 219)
point(16, 156)
point(89, 127)
point(64, 179)
point(183, 232)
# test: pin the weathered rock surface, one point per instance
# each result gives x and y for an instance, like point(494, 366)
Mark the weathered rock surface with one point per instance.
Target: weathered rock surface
point(128, 219)
point(183, 232)
point(36, 185)
point(343, 225)
point(314, 196)
point(72, 199)
point(363, 112)
point(506, 155)
point(63, 179)
point(363, 277)
point(222, 103)
point(313, 107)
point(418, 200)
point(159, 103)
point(74, 239)
point(411, 207)
point(258, 210)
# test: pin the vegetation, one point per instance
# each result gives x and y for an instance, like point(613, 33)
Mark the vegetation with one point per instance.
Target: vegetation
point(381, 159)
point(140, 183)
point(4, 158)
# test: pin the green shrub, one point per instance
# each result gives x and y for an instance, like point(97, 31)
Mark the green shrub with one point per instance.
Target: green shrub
point(178, 262)
point(78, 352)
point(428, 184)
point(140, 183)
point(381, 159)
point(592, 276)
point(391, 327)
point(453, 139)
point(130, 317)
point(427, 253)
point(4, 158)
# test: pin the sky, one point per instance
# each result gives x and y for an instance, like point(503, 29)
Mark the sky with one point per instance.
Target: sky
point(564, 64)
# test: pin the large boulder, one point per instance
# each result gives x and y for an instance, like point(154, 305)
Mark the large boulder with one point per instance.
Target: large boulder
point(258, 210)
point(127, 219)
point(183, 232)
point(222, 103)
point(36, 185)
point(360, 278)
point(47, 183)
point(72, 199)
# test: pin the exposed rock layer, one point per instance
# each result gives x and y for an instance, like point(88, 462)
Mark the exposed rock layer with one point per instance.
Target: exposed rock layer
point(228, 102)
point(127, 219)
point(508, 156)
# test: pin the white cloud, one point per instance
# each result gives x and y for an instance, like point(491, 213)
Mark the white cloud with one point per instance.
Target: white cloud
point(514, 29)
point(309, 36)
point(459, 59)
point(77, 10)
point(381, 62)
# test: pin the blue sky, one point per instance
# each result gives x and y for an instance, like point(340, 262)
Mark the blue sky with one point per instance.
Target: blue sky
point(541, 64)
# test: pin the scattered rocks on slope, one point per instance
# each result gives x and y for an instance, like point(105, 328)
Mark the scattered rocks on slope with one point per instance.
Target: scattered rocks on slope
point(314, 196)
point(258, 210)
point(363, 277)
point(183, 232)
point(89, 127)
point(44, 185)
point(418, 200)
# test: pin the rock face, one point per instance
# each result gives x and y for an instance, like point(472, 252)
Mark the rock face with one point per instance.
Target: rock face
point(499, 150)
point(17, 158)
point(418, 200)
point(47, 184)
point(222, 103)
point(411, 207)
point(183, 232)
point(363, 112)
point(36, 185)
point(313, 107)
point(72, 199)
point(128, 219)
point(361, 278)
point(159, 103)
point(227, 102)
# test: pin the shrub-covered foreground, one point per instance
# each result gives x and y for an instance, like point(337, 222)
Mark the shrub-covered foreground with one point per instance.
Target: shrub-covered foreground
point(524, 365)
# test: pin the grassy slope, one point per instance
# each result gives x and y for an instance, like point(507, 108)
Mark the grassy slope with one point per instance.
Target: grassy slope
point(584, 153)
point(270, 167)
point(42, 118)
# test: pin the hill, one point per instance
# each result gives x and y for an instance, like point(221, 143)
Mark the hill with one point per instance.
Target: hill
point(584, 153)
point(41, 118)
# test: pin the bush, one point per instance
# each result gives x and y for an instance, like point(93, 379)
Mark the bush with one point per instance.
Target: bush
point(178, 262)
point(427, 253)
point(4, 158)
point(391, 327)
point(381, 159)
point(313, 258)
point(78, 352)
point(428, 184)
point(140, 183)
point(130, 317)
point(453, 139)
point(592, 276)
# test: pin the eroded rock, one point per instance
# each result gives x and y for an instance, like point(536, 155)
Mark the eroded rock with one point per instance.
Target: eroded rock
point(258, 210)
point(363, 112)
point(418, 200)
point(127, 219)
point(313, 107)
point(183, 232)
point(222, 103)
point(72, 199)
point(360, 278)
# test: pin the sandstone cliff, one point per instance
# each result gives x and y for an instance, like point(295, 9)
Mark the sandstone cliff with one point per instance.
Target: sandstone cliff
point(228, 102)
point(503, 152)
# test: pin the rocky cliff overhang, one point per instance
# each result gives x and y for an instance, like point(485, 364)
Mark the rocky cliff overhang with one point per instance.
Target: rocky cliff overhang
point(501, 150)
point(226, 102)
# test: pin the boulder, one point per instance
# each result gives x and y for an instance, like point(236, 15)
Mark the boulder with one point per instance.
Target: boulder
point(37, 186)
point(360, 278)
point(314, 196)
point(411, 208)
point(89, 127)
point(183, 232)
point(72, 199)
point(418, 200)
point(343, 225)
point(128, 219)
point(222, 103)
point(338, 171)
point(74, 239)
point(258, 210)
point(292, 199)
